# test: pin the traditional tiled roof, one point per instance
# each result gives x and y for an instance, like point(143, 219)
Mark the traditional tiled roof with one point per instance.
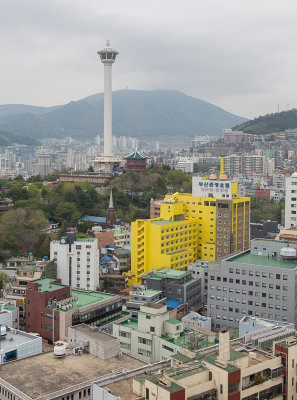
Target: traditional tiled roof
point(136, 156)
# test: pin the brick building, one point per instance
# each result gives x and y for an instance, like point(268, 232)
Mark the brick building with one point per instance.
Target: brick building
point(46, 297)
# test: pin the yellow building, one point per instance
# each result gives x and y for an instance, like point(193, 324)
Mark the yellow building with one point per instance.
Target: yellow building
point(208, 224)
point(166, 242)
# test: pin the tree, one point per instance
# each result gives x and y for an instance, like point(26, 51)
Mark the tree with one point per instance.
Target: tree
point(91, 169)
point(3, 279)
point(67, 214)
point(22, 231)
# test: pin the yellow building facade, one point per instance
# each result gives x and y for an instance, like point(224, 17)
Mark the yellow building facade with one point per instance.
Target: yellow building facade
point(208, 224)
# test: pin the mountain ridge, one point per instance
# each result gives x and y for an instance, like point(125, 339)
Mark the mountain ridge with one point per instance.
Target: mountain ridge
point(147, 115)
point(269, 123)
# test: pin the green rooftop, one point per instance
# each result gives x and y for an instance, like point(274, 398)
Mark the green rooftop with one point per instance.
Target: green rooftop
point(46, 285)
point(85, 298)
point(234, 355)
point(180, 357)
point(155, 379)
point(248, 258)
point(182, 373)
point(130, 323)
point(182, 341)
point(174, 321)
point(145, 292)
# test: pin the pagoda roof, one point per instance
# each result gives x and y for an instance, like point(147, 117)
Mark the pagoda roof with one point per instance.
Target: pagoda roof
point(136, 155)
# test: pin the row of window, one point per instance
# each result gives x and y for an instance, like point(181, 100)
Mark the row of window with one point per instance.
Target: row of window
point(257, 314)
point(178, 228)
point(178, 234)
point(250, 303)
point(269, 275)
point(251, 283)
point(257, 294)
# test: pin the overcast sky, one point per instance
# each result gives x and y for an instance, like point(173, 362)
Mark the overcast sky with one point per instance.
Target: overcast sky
point(238, 54)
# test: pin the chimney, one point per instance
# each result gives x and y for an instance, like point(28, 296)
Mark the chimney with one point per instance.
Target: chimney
point(224, 348)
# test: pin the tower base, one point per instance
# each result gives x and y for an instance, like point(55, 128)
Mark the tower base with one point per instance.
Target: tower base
point(106, 164)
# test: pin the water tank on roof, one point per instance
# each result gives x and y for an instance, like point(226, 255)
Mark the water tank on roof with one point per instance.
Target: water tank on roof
point(288, 253)
point(45, 258)
point(60, 350)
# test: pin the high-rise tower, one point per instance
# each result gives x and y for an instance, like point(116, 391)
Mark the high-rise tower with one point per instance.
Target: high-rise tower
point(108, 56)
point(106, 162)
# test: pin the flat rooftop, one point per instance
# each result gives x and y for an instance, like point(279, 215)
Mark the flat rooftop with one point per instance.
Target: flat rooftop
point(12, 340)
point(145, 292)
point(44, 374)
point(168, 273)
point(248, 258)
point(122, 389)
point(167, 221)
point(85, 298)
point(94, 333)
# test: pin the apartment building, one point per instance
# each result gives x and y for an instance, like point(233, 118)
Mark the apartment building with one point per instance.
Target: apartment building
point(260, 283)
point(165, 242)
point(227, 372)
point(155, 336)
point(248, 164)
point(77, 261)
point(208, 224)
point(122, 235)
point(141, 295)
point(175, 285)
point(291, 201)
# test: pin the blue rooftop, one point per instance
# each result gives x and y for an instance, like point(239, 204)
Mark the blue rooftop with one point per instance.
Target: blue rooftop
point(174, 303)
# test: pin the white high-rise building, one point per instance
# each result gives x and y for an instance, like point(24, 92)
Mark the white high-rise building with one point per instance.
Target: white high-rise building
point(291, 201)
point(77, 261)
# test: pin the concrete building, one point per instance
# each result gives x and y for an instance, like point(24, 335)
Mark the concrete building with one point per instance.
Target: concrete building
point(291, 201)
point(287, 235)
point(122, 235)
point(99, 344)
point(47, 297)
point(224, 373)
point(264, 230)
point(166, 242)
point(48, 378)
point(257, 283)
point(253, 324)
point(229, 370)
point(195, 320)
point(77, 261)
point(185, 165)
point(43, 164)
point(199, 270)
point(235, 137)
point(16, 344)
point(207, 225)
point(141, 295)
point(9, 314)
point(175, 285)
point(155, 208)
point(223, 216)
point(155, 336)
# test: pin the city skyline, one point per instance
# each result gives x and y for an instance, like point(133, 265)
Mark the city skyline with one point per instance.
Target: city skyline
point(241, 59)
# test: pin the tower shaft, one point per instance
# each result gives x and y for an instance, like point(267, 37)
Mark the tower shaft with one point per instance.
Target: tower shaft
point(107, 109)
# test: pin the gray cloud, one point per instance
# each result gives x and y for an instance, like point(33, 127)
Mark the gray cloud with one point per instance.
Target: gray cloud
point(236, 54)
